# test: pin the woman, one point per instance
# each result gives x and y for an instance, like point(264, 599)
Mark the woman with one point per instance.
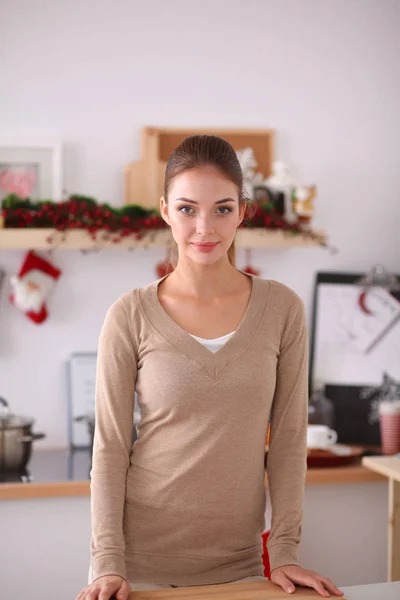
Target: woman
point(214, 354)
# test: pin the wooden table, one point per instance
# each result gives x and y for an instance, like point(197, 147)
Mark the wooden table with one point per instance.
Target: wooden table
point(389, 466)
point(251, 590)
point(268, 591)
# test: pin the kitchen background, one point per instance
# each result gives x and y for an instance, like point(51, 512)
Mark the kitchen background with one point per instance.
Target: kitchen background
point(91, 74)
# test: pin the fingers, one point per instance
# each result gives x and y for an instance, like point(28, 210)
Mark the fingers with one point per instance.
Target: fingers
point(106, 592)
point(95, 592)
point(287, 585)
point(123, 592)
point(280, 579)
point(318, 587)
point(331, 587)
point(85, 594)
point(105, 587)
point(287, 576)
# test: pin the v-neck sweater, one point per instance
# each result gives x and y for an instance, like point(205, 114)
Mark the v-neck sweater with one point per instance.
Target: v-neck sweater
point(186, 504)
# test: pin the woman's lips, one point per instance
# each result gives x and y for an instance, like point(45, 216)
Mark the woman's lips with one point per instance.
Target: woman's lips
point(204, 247)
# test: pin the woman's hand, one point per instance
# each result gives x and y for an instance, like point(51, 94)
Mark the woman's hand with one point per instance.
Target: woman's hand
point(288, 575)
point(105, 588)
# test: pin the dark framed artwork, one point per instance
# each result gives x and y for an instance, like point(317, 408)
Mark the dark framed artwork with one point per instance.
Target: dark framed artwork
point(355, 351)
point(275, 198)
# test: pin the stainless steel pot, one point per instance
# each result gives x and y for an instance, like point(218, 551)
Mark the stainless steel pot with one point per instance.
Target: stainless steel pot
point(16, 439)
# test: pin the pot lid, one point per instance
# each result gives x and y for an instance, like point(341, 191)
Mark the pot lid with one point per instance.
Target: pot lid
point(10, 421)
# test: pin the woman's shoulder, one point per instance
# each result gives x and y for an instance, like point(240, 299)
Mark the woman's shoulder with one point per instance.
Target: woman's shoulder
point(129, 303)
point(284, 296)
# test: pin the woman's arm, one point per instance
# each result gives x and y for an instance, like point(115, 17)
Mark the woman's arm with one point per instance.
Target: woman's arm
point(287, 453)
point(115, 390)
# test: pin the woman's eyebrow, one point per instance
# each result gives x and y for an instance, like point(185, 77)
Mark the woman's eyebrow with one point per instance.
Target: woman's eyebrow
point(194, 201)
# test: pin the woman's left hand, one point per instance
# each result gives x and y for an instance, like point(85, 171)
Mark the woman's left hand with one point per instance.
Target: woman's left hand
point(289, 575)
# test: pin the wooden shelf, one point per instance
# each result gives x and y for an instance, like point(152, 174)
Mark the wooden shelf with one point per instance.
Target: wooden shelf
point(14, 239)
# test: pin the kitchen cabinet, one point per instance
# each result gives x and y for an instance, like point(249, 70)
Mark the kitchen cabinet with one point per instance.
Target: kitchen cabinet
point(47, 527)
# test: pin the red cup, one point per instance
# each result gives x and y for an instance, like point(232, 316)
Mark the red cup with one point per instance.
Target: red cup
point(389, 419)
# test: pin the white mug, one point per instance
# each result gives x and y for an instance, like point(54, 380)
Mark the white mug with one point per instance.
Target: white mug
point(320, 436)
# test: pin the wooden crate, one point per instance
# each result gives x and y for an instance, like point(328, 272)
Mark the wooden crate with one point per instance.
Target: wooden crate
point(144, 179)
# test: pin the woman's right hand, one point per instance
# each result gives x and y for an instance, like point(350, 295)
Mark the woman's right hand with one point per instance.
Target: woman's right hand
point(105, 588)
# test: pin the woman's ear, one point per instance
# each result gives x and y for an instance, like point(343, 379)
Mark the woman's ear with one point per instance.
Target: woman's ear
point(164, 210)
point(242, 212)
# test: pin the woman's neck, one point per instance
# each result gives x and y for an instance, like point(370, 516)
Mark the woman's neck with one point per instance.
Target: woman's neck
point(205, 282)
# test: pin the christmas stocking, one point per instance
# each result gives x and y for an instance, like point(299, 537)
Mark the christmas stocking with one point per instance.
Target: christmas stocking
point(32, 286)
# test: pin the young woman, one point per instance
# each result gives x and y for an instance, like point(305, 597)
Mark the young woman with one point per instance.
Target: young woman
point(214, 354)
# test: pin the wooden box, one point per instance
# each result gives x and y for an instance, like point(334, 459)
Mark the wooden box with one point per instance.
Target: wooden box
point(144, 179)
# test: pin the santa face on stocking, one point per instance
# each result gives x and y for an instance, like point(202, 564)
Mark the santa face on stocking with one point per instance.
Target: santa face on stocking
point(32, 286)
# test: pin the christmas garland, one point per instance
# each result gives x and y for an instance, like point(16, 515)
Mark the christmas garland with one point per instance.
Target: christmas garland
point(83, 212)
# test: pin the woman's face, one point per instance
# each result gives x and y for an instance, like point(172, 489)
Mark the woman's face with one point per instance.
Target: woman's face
point(203, 207)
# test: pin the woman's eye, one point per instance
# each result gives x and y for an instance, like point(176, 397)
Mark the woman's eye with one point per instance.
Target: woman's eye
point(181, 209)
point(223, 208)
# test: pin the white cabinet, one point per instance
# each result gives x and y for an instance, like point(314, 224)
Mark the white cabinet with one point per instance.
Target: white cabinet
point(44, 542)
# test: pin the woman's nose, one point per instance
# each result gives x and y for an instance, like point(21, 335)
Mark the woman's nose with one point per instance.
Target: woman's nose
point(204, 225)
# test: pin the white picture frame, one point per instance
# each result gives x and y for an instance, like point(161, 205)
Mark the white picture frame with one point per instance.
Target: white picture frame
point(31, 169)
point(81, 385)
point(81, 370)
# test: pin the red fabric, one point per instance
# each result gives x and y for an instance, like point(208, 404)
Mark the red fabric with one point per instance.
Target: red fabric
point(33, 261)
point(38, 317)
point(265, 557)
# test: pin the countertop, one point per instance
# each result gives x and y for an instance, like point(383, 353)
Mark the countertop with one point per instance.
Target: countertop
point(51, 473)
point(268, 591)
point(61, 473)
point(375, 591)
point(389, 466)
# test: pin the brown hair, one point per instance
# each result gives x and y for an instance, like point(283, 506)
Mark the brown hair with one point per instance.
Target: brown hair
point(199, 151)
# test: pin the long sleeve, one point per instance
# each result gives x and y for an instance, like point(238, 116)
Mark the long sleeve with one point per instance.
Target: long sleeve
point(287, 454)
point(115, 390)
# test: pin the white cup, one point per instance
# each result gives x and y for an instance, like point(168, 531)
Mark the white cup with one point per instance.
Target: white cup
point(320, 436)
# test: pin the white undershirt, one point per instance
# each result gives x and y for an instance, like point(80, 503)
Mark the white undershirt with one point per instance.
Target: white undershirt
point(214, 344)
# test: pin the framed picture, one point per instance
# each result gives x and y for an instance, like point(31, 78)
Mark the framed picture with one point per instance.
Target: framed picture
point(81, 384)
point(355, 349)
point(264, 194)
point(31, 171)
point(81, 388)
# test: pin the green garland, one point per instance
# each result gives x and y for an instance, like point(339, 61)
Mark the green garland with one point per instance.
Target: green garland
point(83, 212)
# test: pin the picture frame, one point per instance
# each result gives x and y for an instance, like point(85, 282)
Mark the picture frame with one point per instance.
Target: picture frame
point(80, 378)
point(352, 376)
point(31, 170)
point(81, 383)
point(264, 194)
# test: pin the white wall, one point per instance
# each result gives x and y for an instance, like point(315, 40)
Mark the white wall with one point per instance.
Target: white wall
point(91, 74)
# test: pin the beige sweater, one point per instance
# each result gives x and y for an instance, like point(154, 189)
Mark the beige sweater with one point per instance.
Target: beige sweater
point(186, 505)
